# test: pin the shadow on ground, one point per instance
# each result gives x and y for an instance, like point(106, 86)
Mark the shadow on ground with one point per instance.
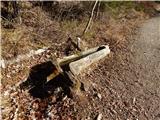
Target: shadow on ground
point(37, 83)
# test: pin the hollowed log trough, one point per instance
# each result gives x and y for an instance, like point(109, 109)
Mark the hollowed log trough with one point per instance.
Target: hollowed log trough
point(46, 77)
point(73, 65)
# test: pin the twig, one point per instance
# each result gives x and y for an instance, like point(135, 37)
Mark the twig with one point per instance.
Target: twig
point(99, 3)
point(89, 22)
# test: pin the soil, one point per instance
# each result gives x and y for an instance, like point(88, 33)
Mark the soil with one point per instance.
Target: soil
point(130, 88)
point(125, 85)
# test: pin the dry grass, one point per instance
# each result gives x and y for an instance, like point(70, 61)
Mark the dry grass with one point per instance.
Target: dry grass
point(36, 28)
point(32, 33)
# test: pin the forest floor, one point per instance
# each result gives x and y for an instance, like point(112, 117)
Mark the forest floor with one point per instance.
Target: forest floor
point(125, 85)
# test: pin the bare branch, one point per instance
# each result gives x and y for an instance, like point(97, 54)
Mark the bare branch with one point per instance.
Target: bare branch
point(89, 22)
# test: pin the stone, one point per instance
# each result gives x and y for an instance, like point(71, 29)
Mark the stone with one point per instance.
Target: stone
point(99, 95)
point(99, 117)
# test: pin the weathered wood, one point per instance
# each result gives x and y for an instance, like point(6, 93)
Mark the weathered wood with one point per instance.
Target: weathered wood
point(77, 66)
point(78, 62)
point(71, 58)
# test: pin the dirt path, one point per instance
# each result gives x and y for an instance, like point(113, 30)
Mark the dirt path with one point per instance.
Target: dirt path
point(146, 57)
point(146, 50)
point(130, 82)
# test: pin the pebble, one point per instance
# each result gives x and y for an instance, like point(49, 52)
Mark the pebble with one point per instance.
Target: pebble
point(8, 76)
point(99, 117)
point(18, 66)
point(48, 56)
point(99, 95)
point(6, 93)
point(35, 106)
point(53, 99)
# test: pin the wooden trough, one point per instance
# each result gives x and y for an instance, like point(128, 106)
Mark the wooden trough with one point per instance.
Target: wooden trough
point(76, 63)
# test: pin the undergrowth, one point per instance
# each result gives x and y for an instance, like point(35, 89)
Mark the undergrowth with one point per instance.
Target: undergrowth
point(38, 24)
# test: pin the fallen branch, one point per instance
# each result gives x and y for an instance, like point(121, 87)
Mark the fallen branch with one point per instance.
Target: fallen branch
point(19, 58)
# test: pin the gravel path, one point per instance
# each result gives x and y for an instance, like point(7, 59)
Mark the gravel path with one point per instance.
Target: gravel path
point(146, 50)
point(129, 83)
point(146, 57)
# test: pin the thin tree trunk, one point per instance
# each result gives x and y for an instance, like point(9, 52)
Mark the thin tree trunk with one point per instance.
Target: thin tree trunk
point(89, 22)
